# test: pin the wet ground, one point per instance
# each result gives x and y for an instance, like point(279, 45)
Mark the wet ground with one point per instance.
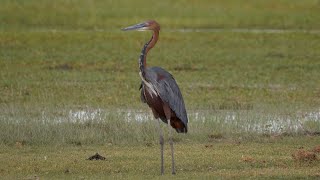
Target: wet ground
point(246, 120)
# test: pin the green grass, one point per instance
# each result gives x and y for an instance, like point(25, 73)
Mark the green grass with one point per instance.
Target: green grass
point(87, 14)
point(212, 69)
point(268, 158)
point(61, 58)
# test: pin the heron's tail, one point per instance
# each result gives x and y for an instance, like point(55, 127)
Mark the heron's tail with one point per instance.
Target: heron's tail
point(178, 125)
point(182, 130)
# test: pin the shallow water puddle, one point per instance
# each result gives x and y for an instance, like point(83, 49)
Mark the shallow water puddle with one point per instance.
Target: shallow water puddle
point(248, 121)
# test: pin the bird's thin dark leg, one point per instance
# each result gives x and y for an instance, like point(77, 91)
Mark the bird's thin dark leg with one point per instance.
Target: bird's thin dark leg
point(172, 150)
point(161, 146)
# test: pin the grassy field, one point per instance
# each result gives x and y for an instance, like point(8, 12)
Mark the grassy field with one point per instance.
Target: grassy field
point(69, 88)
point(267, 159)
point(87, 14)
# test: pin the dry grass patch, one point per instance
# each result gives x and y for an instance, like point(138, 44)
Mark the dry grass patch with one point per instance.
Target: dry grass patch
point(304, 156)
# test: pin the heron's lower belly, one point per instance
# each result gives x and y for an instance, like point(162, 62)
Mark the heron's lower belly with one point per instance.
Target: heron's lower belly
point(154, 102)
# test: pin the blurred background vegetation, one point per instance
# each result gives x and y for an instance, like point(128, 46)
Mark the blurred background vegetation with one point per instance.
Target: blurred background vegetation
point(64, 56)
point(110, 14)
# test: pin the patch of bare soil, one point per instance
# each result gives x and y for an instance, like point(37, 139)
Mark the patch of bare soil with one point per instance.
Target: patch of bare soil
point(96, 157)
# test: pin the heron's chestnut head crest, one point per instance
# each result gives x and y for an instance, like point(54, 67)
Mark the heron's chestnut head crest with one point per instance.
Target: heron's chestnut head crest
point(148, 25)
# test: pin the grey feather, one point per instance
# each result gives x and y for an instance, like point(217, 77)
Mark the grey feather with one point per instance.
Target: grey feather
point(168, 91)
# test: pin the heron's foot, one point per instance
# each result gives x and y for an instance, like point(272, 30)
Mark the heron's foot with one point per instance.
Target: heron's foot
point(162, 171)
point(173, 170)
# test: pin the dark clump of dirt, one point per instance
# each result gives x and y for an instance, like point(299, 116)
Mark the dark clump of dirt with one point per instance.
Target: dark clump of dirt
point(208, 146)
point(149, 144)
point(67, 171)
point(77, 143)
point(302, 155)
point(96, 157)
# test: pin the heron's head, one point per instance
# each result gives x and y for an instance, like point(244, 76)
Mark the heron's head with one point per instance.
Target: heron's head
point(148, 25)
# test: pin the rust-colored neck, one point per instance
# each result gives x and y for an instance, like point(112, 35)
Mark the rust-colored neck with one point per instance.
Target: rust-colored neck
point(150, 44)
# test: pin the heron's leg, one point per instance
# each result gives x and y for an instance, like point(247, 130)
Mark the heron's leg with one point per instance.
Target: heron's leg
point(168, 112)
point(161, 140)
point(172, 150)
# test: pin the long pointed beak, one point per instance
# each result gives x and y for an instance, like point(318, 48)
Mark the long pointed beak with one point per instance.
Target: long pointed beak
point(139, 27)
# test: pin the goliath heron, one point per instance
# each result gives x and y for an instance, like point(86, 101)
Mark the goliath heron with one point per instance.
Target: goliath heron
point(160, 91)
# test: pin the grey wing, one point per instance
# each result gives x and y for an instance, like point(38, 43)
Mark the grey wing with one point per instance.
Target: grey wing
point(169, 92)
